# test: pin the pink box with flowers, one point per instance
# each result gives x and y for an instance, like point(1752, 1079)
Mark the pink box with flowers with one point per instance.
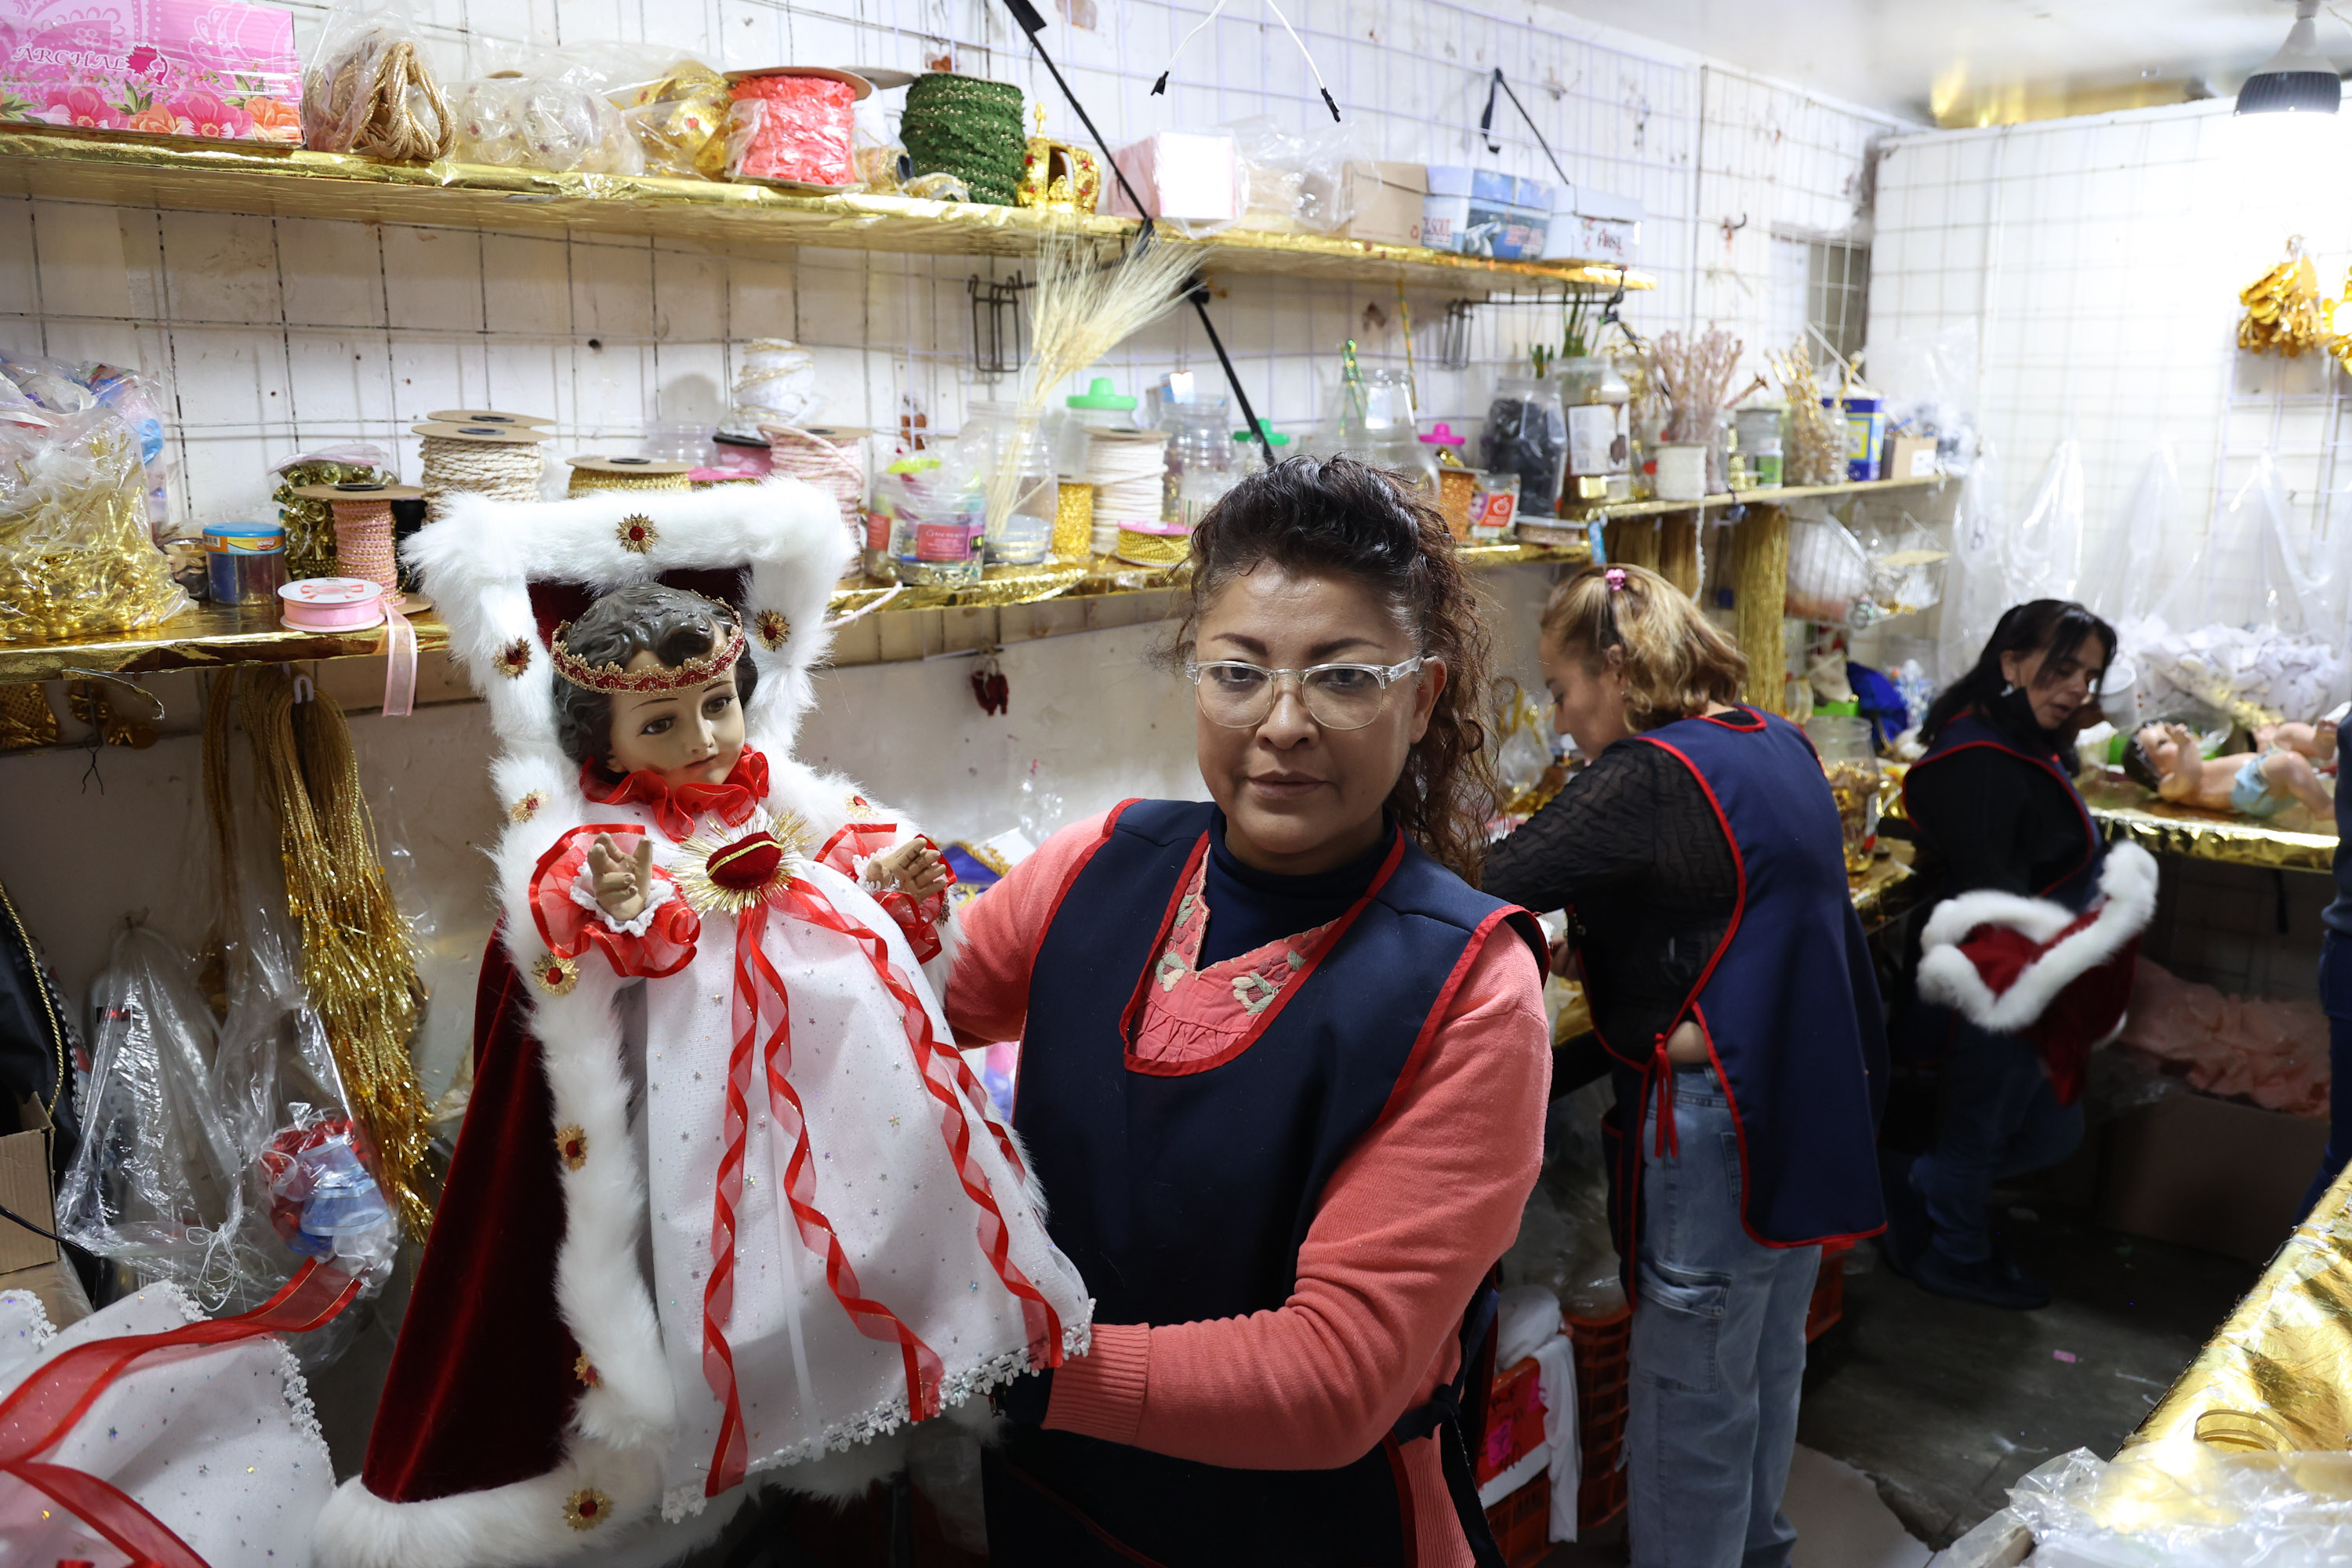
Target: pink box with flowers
point(169, 68)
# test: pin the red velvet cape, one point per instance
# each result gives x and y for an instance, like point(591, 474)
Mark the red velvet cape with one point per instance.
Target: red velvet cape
point(482, 1381)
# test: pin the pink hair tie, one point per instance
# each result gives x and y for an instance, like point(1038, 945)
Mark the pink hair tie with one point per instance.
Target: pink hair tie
point(1615, 578)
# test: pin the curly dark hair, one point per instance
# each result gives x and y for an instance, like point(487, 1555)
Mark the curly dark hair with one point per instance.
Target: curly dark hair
point(1338, 517)
point(671, 624)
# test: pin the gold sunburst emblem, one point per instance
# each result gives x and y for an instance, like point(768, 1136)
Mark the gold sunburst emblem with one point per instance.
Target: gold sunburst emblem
point(731, 868)
point(586, 1509)
point(512, 659)
point(772, 627)
point(556, 975)
point(571, 1144)
point(526, 807)
point(637, 533)
point(586, 1371)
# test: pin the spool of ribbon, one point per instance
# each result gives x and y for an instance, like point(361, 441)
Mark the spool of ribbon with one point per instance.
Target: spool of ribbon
point(590, 475)
point(828, 460)
point(970, 127)
point(498, 460)
point(791, 126)
point(363, 546)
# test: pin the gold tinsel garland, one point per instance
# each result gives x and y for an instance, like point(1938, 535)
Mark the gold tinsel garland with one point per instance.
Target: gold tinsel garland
point(359, 966)
point(2284, 314)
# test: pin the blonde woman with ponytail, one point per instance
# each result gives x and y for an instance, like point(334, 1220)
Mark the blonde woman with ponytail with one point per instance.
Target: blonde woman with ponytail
point(1699, 859)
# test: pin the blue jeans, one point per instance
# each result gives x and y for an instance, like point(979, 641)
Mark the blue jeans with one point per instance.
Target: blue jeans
point(1718, 1355)
point(2336, 998)
point(1997, 1118)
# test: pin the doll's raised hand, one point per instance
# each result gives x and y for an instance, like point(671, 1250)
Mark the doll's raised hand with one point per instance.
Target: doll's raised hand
point(916, 867)
point(623, 882)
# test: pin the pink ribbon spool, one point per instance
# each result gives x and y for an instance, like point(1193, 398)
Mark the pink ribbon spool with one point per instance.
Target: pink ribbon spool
point(795, 128)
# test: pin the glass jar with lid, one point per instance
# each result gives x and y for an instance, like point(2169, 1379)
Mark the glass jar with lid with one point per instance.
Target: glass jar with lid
point(1527, 434)
point(1600, 445)
point(1012, 462)
point(1203, 463)
point(1848, 758)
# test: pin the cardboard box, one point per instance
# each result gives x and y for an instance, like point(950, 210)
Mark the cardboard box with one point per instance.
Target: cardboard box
point(1910, 457)
point(1385, 202)
point(171, 67)
point(1446, 211)
point(2209, 1174)
point(1593, 226)
point(30, 1262)
point(1187, 176)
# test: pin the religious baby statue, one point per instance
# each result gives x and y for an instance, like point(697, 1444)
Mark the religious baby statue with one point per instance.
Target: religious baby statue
point(727, 1199)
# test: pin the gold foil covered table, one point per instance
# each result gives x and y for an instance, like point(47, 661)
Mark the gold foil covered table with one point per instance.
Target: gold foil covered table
point(2162, 828)
point(2277, 1375)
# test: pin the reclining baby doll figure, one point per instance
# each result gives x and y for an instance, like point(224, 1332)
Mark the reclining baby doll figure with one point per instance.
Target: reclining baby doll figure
point(2281, 772)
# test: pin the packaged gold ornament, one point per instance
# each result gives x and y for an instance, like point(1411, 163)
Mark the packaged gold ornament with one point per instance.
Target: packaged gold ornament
point(680, 119)
point(2284, 314)
point(75, 560)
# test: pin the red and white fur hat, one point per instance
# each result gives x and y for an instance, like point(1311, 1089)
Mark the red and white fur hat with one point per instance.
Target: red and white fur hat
point(2032, 967)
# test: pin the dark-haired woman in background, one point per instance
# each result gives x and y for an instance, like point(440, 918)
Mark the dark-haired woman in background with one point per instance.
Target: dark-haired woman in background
point(1283, 1071)
point(1994, 804)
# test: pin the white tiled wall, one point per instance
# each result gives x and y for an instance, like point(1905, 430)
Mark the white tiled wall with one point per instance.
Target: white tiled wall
point(2101, 258)
point(275, 336)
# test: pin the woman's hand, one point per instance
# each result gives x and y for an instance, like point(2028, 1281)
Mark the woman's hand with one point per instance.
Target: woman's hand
point(915, 867)
point(623, 883)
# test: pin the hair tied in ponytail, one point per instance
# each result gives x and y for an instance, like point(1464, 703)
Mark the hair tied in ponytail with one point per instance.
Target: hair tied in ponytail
point(1615, 578)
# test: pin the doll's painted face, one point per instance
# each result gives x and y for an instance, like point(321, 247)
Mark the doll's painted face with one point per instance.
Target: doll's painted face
point(691, 736)
point(2161, 744)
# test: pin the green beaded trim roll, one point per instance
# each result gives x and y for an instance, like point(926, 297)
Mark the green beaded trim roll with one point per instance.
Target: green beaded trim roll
point(968, 127)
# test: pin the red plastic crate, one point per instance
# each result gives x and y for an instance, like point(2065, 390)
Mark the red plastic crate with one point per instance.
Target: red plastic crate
point(1515, 1421)
point(1829, 1291)
point(1601, 1345)
point(1522, 1524)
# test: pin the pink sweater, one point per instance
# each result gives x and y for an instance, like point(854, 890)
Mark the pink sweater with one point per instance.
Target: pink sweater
point(1409, 1223)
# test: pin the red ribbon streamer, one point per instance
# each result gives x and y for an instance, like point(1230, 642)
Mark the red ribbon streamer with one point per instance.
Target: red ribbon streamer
point(37, 1416)
point(760, 995)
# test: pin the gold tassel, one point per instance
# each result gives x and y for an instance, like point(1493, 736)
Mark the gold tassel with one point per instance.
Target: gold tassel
point(359, 965)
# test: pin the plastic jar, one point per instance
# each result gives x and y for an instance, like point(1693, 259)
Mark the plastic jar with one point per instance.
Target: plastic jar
point(1457, 483)
point(1850, 764)
point(934, 522)
point(1252, 459)
point(245, 562)
point(1527, 434)
point(1013, 463)
point(1758, 430)
point(1100, 407)
point(1599, 443)
point(1203, 464)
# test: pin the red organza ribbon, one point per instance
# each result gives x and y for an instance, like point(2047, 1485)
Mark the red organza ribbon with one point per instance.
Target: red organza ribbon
point(763, 1021)
point(732, 802)
point(46, 1405)
point(918, 919)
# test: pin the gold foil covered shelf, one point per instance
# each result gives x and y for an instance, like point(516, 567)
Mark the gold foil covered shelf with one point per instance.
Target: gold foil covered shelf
point(2165, 829)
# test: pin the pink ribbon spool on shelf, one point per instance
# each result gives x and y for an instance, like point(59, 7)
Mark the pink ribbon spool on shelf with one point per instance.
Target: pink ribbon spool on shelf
point(791, 126)
point(363, 548)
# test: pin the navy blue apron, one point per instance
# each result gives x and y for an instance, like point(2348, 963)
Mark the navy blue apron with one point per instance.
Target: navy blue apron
point(1925, 1030)
point(1788, 1001)
point(1183, 1192)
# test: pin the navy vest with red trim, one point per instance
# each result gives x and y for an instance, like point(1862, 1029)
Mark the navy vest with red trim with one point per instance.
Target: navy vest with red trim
point(2080, 884)
point(1788, 1001)
point(1183, 1192)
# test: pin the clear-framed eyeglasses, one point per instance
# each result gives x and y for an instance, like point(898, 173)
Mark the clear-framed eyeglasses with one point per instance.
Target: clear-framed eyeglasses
point(1240, 696)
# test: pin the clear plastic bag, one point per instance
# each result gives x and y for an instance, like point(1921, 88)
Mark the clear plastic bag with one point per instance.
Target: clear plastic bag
point(680, 119)
point(77, 558)
point(545, 116)
point(2186, 1505)
point(368, 89)
point(1828, 570)
point(1905, 572)
point(157, 1183)
point(1293, 181)
point(53, 386)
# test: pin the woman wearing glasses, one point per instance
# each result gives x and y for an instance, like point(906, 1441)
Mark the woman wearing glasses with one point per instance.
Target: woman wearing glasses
point(1283, 1071)
point(1699, 857)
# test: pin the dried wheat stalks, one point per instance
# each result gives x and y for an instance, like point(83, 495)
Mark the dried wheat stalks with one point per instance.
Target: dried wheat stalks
point(1085, 309)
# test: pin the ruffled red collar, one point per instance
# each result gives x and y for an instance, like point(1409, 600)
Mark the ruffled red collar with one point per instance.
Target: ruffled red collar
point(732, 801)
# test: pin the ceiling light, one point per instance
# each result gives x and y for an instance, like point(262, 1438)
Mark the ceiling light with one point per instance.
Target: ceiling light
point(2298, 79)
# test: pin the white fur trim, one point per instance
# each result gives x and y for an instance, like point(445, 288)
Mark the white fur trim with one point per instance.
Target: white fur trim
point(584, 893)
point(519, 1525)
point(2127, 885)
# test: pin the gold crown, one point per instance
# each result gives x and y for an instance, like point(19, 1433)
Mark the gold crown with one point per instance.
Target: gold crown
point(610, 678)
